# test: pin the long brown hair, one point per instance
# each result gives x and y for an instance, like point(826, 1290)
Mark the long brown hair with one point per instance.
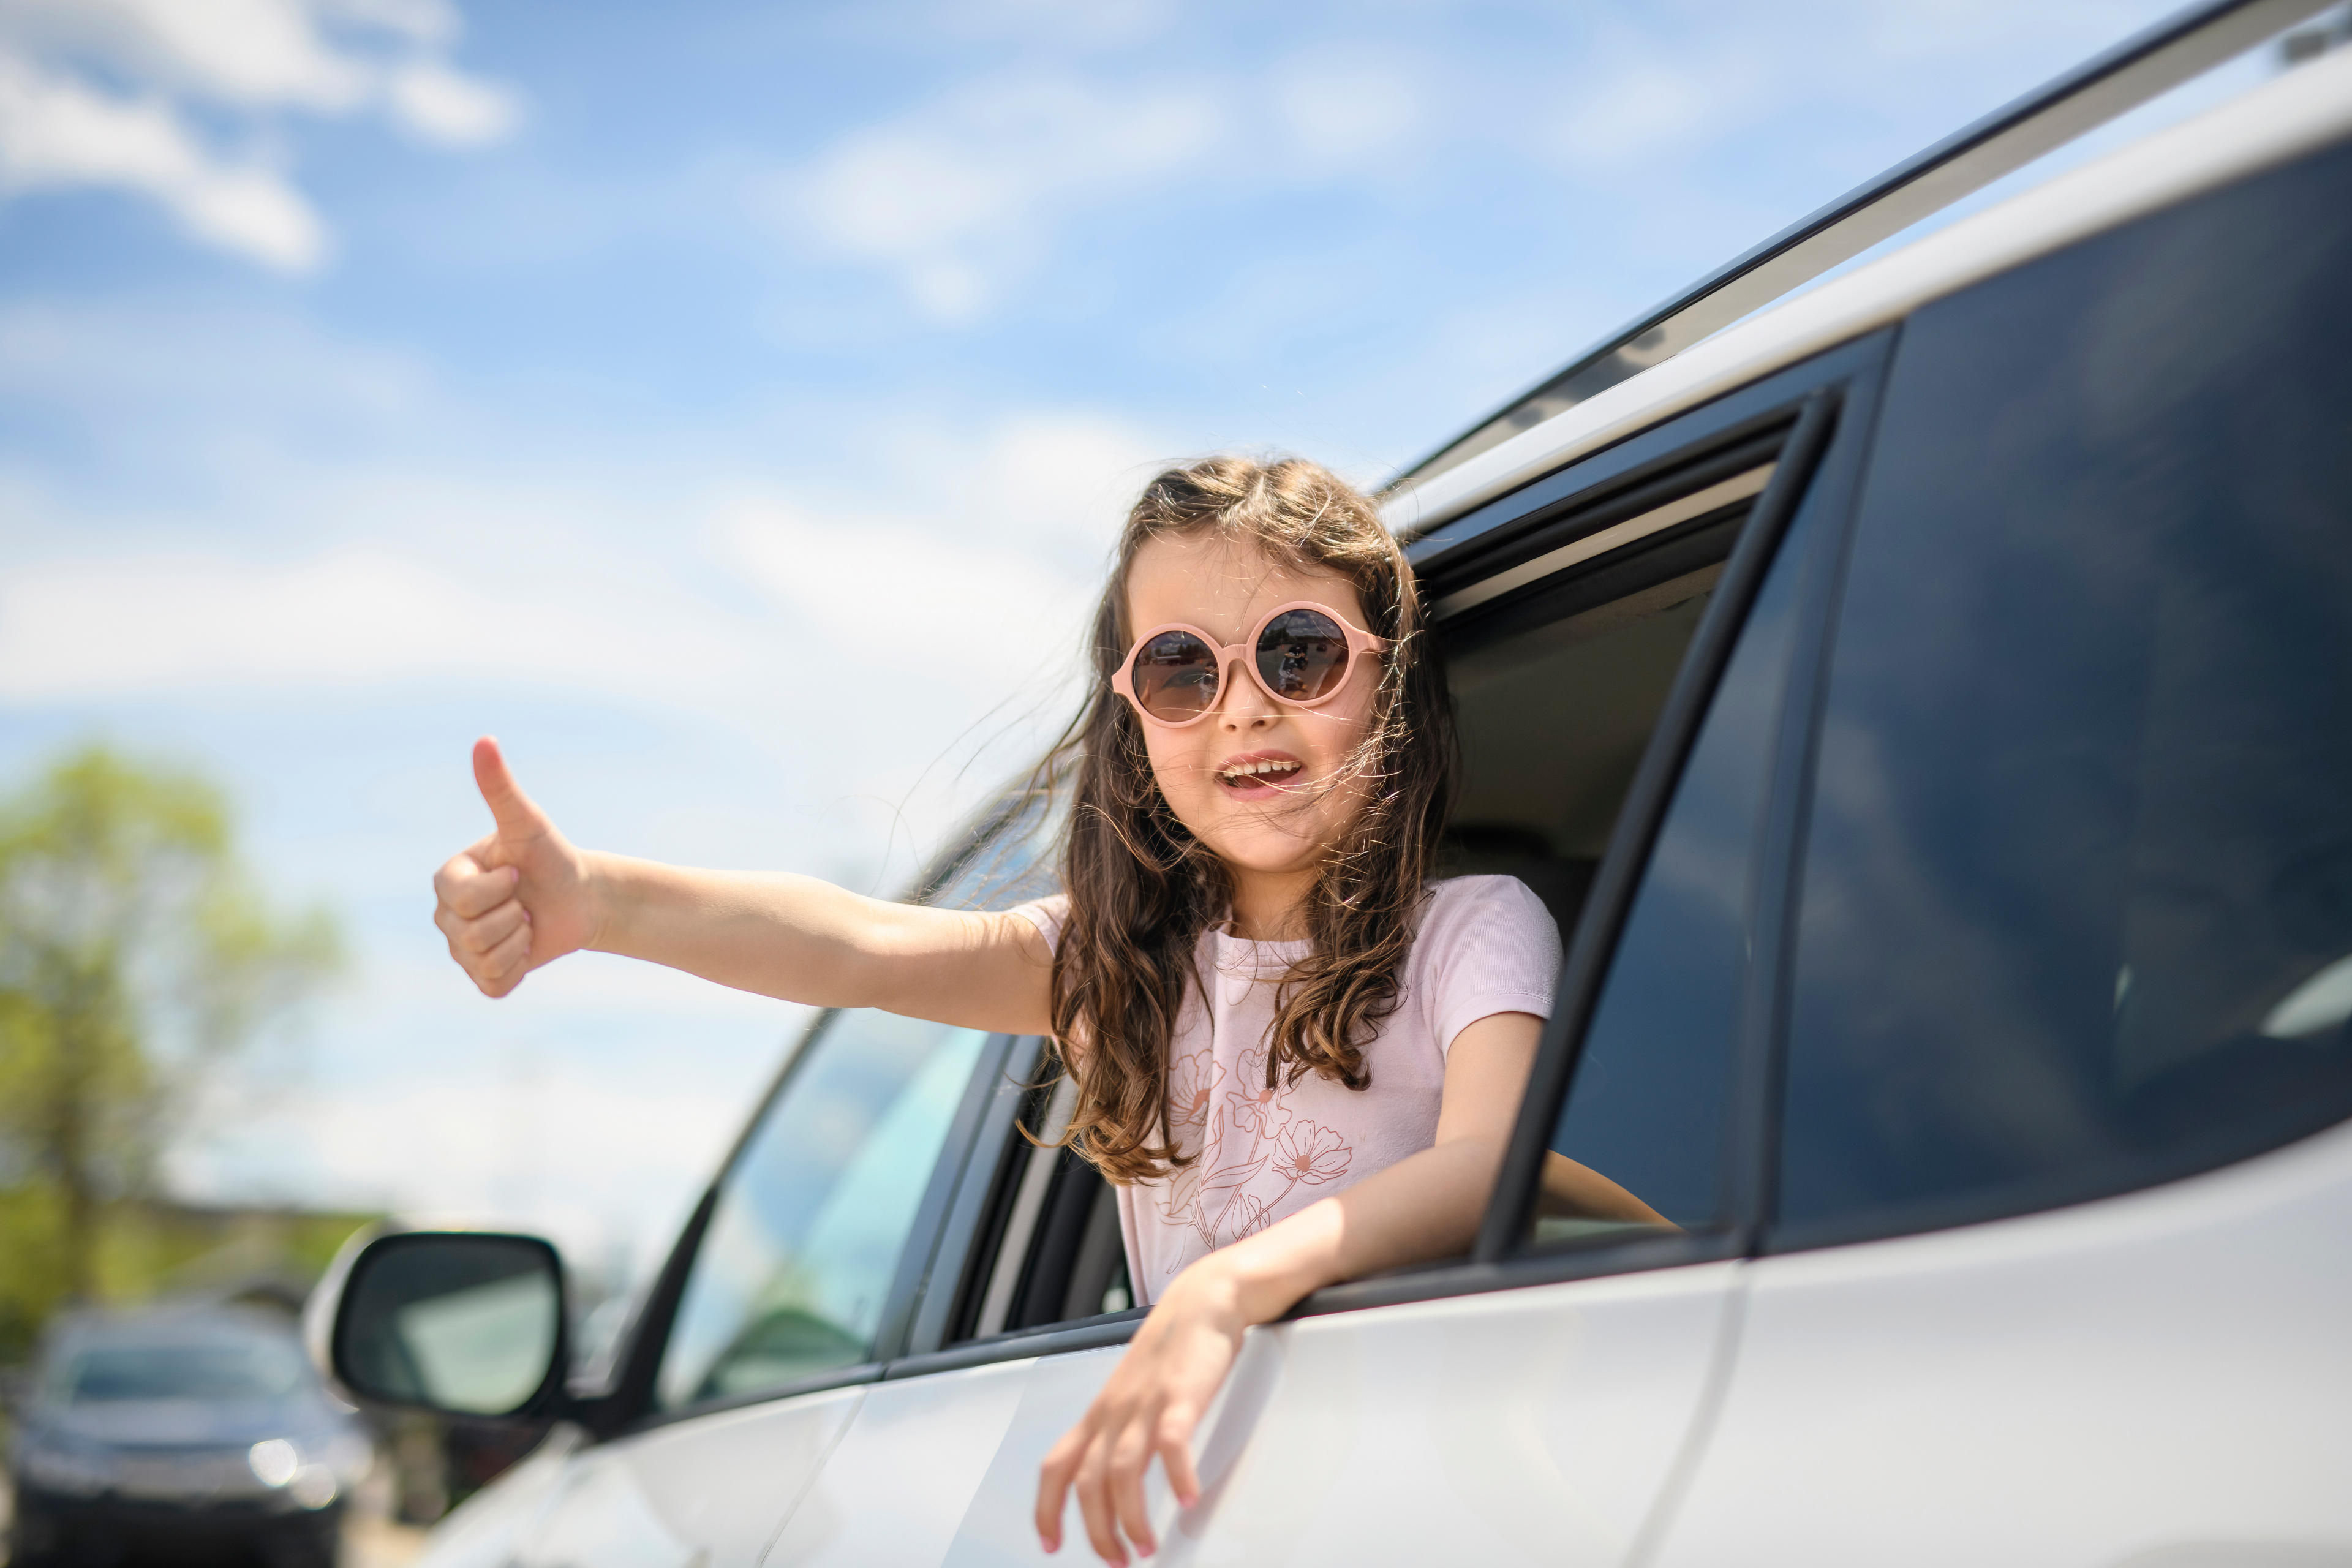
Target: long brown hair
point(1143, 889)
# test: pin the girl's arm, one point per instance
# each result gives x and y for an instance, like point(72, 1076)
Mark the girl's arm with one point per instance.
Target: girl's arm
point(1571, 1191)
point(1424, 1206)
point(525, 895)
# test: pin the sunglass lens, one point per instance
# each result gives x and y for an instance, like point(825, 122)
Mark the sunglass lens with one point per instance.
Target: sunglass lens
point(1175, 677)
point(1303, 654)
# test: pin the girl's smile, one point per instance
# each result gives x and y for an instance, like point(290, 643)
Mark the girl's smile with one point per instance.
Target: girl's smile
point(1258, 776)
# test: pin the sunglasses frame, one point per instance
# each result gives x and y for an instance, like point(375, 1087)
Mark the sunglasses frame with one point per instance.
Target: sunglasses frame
point(1359, 642)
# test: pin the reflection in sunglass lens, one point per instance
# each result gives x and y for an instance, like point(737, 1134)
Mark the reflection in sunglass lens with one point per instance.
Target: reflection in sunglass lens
point(1303, 654)
point(1175, 676)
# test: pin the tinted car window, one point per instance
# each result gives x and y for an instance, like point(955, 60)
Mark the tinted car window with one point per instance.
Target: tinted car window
point(2078, 899)
point(1651, 1091)
point(794, 1268)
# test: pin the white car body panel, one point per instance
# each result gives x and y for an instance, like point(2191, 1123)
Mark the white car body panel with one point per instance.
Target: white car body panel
point(2300, 112)
point(2159, 1378)
point(998, 1527)
point(1534, 1425)
point(896, 1488)
point(709, 1492)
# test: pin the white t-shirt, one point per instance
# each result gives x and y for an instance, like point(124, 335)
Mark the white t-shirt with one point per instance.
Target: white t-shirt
point(1485, 945)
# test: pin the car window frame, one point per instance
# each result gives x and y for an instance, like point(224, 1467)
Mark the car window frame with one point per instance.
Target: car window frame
point(1837, 391)
point(1830, 403)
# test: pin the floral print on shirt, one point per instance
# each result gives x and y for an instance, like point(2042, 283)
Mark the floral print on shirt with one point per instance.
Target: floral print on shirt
point(1192, 1080)
point(1248, 1132)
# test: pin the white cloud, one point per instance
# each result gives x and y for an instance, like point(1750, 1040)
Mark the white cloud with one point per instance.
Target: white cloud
point(1064, 479)
point(433, 22)
point(443, 106)
point(997, 555)
point(55, 131)
point(957, 198)
point(255, 52)
point(123, 126)
point(81, 628)
point(891, 601)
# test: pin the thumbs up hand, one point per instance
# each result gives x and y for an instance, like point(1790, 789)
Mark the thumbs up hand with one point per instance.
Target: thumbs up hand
point(518, 898)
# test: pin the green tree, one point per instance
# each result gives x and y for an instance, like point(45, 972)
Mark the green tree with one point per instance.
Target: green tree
point(135, 954)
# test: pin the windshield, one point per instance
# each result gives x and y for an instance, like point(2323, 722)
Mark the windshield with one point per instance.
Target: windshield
point(203, 1370)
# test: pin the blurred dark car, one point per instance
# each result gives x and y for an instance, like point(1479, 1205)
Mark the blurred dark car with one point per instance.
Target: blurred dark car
point(191, 1435)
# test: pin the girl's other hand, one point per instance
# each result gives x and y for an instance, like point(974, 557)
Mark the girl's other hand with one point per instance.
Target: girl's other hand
point(1152, 1403)
point(519, 899)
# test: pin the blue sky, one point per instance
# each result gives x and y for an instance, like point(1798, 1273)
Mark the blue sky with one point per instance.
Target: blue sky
point(657, 387)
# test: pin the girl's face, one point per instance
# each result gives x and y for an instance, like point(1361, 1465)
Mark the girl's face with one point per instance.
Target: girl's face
point(1270, 823)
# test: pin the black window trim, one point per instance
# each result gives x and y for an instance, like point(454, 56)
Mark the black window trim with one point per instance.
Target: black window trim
point(1764, 1003)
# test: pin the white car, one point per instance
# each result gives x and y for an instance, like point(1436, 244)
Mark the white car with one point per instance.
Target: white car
point(1927, 702)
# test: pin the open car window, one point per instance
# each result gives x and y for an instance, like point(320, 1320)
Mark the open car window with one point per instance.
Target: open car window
point(1568, 632)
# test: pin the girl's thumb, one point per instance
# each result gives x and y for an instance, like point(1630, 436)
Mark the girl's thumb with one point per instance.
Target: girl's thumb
point(511, 807)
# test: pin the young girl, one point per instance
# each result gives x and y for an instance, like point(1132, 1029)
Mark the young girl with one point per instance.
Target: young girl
point(1296, 1056)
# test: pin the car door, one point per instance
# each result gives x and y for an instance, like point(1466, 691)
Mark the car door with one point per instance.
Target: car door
point(2059, 1269)
point(1531, 1404)
point(788, 1294)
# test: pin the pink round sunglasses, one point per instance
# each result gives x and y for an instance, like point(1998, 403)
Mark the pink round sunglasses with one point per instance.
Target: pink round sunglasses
point(1300, 654)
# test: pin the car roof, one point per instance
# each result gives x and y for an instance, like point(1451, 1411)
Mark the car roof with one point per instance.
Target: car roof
point(2301, 110)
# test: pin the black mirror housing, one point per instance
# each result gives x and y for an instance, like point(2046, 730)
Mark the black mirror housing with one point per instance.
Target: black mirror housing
point(466, 1324)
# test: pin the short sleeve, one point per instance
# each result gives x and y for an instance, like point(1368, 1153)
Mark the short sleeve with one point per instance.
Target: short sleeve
point(1486, 945)
point(1048, 914)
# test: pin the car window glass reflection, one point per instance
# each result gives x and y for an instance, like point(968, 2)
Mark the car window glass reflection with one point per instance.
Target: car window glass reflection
point(2078, 897)
point(484, 1348)
point(791, 1274)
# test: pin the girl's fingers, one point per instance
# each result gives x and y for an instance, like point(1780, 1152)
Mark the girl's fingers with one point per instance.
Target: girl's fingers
point(465, 887)
point(1053, 1485)
point(1175, 1450)
point(485, 934)
point(506, 958)
point(1094, 1502)
point(517, 816)
point(1130, 1456)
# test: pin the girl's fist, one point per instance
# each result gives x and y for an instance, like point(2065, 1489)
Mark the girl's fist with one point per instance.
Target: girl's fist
point(519, 897)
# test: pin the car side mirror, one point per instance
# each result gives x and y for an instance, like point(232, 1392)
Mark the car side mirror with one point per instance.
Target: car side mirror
point(464, 1323)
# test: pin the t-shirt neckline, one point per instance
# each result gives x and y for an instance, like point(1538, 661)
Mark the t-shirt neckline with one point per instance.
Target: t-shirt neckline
point(1243, 947)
